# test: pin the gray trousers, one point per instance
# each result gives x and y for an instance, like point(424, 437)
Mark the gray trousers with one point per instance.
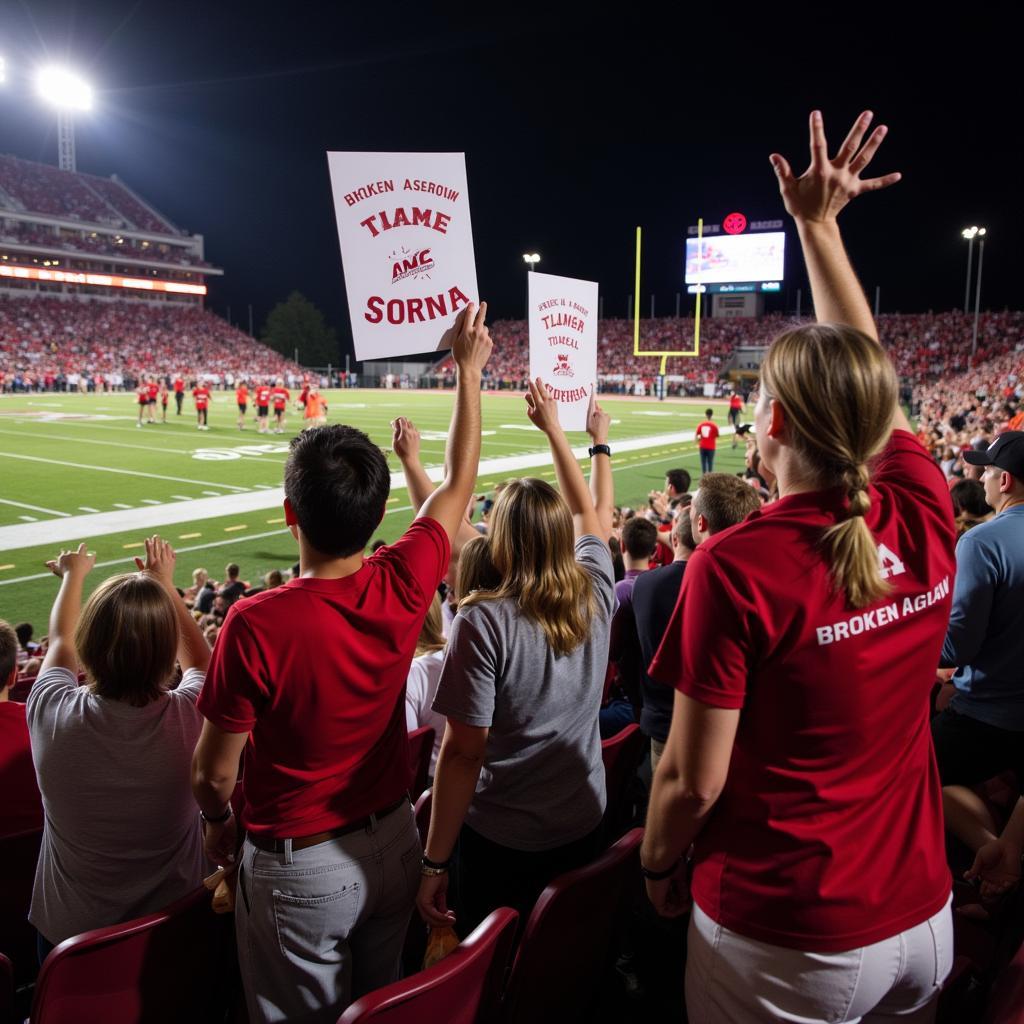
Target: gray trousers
point(319, 927)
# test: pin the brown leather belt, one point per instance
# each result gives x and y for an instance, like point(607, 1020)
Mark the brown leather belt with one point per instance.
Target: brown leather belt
point(271, 845)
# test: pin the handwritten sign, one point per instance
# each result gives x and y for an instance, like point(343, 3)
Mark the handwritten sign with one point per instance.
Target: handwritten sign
point(563, 342)
point(406, 247)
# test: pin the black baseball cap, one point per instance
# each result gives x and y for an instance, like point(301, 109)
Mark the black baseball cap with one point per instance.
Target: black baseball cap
point(1005, 452)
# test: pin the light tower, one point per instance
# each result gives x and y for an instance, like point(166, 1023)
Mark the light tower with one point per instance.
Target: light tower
point(68, 92)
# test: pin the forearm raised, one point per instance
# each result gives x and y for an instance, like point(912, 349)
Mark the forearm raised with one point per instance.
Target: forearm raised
point(837, 294)
point(462, 451)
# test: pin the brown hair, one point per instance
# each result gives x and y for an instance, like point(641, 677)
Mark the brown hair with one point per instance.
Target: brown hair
point(639, 538)
point(8, 651)
point(532, 549)
point(476, 570)
point(127, 639)
point(838, 389)
point(724, 500)
point(431, 634)
point(682, 529)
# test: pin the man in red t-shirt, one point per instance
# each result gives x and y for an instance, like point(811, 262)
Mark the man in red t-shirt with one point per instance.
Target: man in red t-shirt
point(141, 400)
point(21, 809)
point(262, 408)
point(735, 411)
point(201, 394)
point(279, 395)
point(707, 438)
point(242, 398)
point(309, 680)
point(179, 392)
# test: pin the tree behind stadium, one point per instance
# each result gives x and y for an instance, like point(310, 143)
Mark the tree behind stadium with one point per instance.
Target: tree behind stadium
point(297, 325)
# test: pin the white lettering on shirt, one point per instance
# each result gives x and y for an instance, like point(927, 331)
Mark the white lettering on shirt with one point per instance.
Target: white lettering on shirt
point(889, 563)
point(855, 625)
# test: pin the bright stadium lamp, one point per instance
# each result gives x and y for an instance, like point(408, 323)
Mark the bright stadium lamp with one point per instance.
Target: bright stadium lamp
point(68, 92)
point(3, 70)
point(531, 259)
point(969, 234)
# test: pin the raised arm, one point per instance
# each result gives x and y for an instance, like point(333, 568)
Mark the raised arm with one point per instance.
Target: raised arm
point(602, 485)
point(471, 347)
point(72, 567)
point(193, 650)
point(405, 443)
point(543, 413)
point(814, 201)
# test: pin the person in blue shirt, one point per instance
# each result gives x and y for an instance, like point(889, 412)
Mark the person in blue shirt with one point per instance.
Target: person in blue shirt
point(980, 732)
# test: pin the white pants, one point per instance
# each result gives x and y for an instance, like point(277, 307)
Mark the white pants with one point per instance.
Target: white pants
point(731, 979)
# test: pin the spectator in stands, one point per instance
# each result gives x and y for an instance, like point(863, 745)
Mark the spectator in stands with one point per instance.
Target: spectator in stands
point(677, 483)
point(521, 688)
point(308, 680)
point(121, 838)
point(820, 885)
point(199, 578)
point(424, 675)
point(969, 505)
point(207, 595)
point(639, 541)
point(232, 588)
point(27, 648)
point(707, 440)
point(653, 602)
point(721, 501)
point(21, 809)
point(981, 733)
point(997, 864)
point(274, 578)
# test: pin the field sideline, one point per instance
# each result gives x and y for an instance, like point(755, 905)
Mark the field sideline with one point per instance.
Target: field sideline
point(76, 467)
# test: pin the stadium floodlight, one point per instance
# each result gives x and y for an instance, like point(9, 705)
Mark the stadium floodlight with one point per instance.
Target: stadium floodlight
point(3, 70)
point(531, 259)
point(63, 89)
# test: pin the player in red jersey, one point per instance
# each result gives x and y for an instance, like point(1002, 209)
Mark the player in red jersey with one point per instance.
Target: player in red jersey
point(707, 438)
point(242, 398)
point(179, 392)
point(279, 395)
point(262, 408)
point(141, 400)
point(201, 394)
point(735, 411)
point(164, 395)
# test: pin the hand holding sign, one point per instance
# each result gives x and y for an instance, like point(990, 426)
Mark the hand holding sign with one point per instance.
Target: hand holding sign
point(598, 422)
point(470, 339)
point(405, 439)
point(541, 408)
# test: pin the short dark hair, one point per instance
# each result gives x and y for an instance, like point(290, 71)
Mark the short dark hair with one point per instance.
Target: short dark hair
point(639, 538)
point(679, 479)
point(968, 497)
point(724, 500)
point(337, 483)
point(8, 652)
point(24, 631)
point(709, 413)
point(232, 571)
point(682, 530)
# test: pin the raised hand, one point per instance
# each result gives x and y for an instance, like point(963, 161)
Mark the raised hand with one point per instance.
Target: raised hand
point(541, 408)
point(160, 559)
point(828, 185)
point(598, 422)
point(469, 338)
point(405, 438)
point(80, 562)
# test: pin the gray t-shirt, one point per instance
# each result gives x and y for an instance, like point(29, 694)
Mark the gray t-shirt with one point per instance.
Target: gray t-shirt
point(121, 836)
point(542, 783)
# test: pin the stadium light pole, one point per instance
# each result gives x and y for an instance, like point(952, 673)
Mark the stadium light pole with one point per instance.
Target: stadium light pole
point(531, 259)
point(969, 234)
point(977, 290)
point(68, 92)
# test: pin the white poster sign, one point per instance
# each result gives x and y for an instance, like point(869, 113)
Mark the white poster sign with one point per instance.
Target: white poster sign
point(563, 342)
point(406, 247)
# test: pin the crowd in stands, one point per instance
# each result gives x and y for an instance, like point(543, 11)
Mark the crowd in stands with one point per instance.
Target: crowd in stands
point(95, 244)
point(44, 342)
point(826, 668)
point(42, 188)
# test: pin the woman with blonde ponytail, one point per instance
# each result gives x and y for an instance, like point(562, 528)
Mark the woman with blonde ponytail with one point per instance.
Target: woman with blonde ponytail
point(798, 797)
point(520, 779)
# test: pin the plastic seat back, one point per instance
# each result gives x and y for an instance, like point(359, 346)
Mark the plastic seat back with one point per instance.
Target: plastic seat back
point(568, 942)
point(171, 966)
point(464, 988)
point(621, 754)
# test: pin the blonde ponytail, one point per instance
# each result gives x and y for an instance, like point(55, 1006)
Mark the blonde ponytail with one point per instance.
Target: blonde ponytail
point(838, 389)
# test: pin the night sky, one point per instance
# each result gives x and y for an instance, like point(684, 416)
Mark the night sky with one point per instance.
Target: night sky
point(576, 128)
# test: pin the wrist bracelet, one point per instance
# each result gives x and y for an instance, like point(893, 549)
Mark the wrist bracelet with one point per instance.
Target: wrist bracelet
point(600, 449)
point(660, 876)
point(219, 819)
point(431, 872)
point(436, 865)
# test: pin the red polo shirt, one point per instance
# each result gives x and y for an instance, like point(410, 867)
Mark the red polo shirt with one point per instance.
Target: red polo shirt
point(202, 397)
point(828, 835)
point(280, 396)
point(315, 672)
point(707, 433)
point(22, 808)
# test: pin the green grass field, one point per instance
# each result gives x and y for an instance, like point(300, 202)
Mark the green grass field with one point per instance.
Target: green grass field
point(78, 468)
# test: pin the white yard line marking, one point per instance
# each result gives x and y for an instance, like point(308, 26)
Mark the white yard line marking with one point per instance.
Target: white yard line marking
point(29, 519)
point(182, 497)
point(120, 504)
point(35, 508)
point(87, 508)
point(213, 494)
point(151, 501)
point(153, 516)
point(124, 472)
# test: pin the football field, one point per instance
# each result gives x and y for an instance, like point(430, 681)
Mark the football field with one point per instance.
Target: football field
point(78, 468)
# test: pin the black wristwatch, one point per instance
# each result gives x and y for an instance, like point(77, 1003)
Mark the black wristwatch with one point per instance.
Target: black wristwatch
point(660, 876)
point(600, 449)
point(219, 820)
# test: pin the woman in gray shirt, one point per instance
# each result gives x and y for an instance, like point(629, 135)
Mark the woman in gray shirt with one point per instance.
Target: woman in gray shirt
point(520, 781)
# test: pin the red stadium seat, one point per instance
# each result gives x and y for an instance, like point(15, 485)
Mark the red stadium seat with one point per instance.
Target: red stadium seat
point(421, 745)
point(464, 988)
point(621, 755)
point(18, 855)
point(568, 943)
point(166, 967)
